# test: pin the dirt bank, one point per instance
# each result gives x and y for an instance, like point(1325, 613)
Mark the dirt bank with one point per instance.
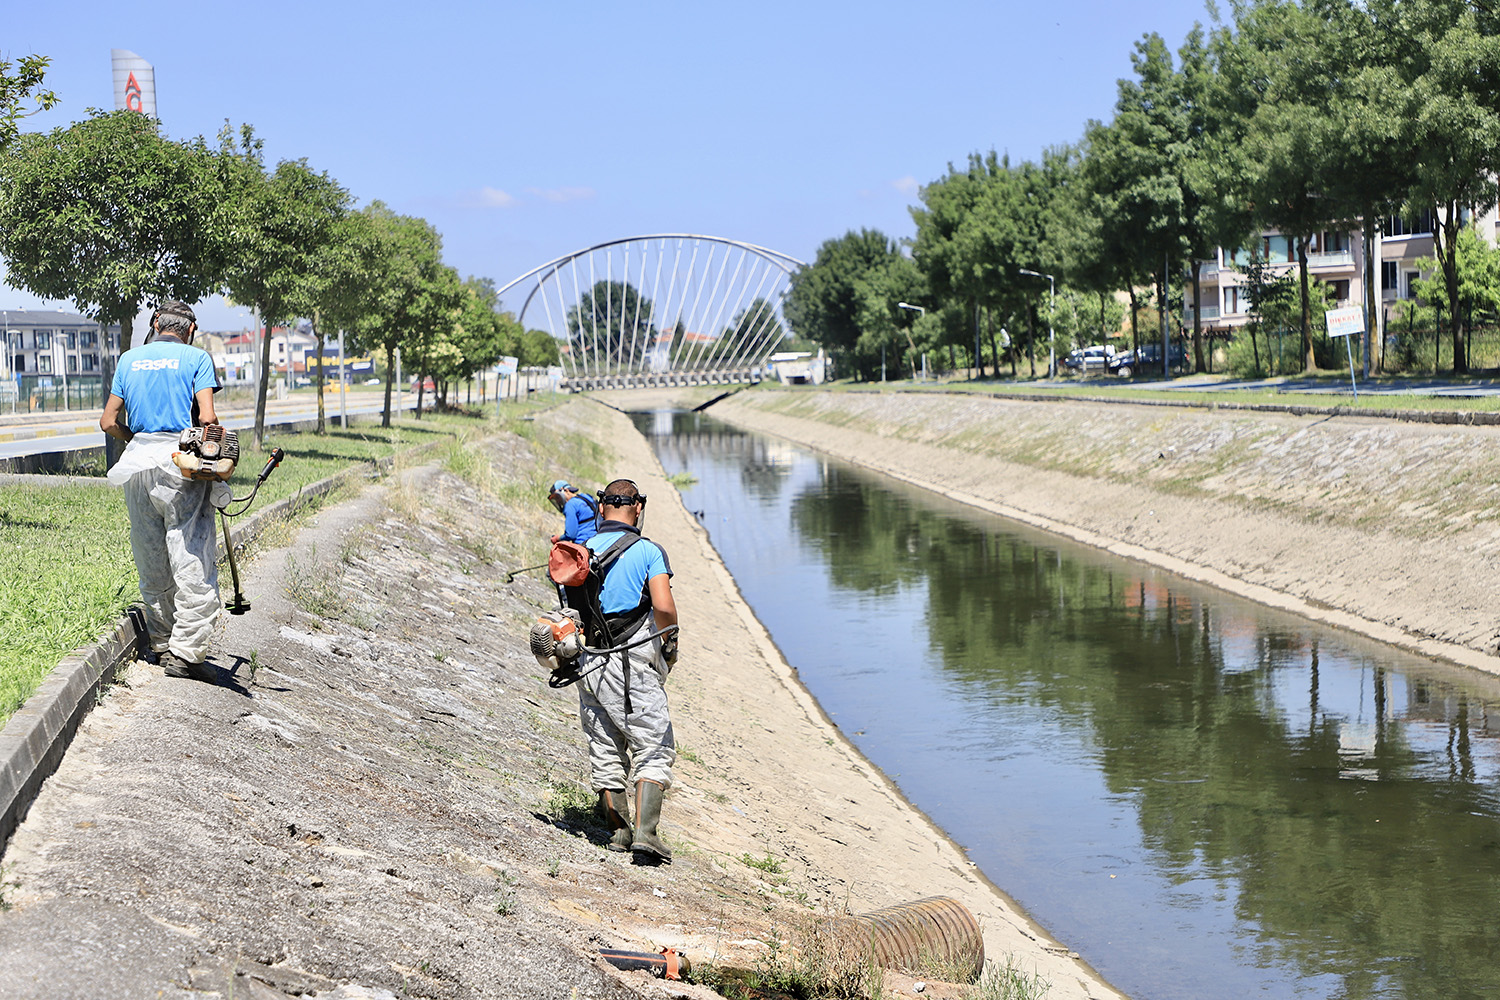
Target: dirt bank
point(1389, 529)
point(384, 798)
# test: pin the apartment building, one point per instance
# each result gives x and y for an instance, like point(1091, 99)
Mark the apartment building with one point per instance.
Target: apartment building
point(237, 355)
point(1335, 256)
point(48, 343)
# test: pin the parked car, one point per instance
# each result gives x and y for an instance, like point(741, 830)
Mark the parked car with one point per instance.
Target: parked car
point(1148, 360)
point(1085, 359)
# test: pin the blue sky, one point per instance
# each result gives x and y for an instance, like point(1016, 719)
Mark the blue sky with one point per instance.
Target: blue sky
point(524, 132)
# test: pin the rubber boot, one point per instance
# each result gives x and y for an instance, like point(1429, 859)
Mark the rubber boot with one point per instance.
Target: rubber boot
point(614, 805)
point(647, 815)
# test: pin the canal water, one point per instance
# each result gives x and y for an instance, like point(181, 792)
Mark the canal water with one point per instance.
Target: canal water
point(1204, 797)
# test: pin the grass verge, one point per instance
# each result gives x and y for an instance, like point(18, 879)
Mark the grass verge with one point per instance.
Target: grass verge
point(1123, 391)
point(66, 572)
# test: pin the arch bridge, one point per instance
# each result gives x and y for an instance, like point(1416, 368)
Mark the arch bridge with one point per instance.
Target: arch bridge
point(661, 310)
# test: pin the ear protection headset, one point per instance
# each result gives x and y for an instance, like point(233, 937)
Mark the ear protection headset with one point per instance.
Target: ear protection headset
point(621, 500)
point(180, 311)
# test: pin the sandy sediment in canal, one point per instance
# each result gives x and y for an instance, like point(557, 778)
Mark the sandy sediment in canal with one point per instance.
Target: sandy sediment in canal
point(1386, 528)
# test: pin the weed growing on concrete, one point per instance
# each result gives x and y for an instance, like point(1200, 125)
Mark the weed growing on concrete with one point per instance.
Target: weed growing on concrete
point(350, 545)
point(1008, 982)
point(554, 866)
point(689, 755)
point(254, 664)
point(817, 966)
point(570, 804)
point(7, 883)
point(505, 894)
point(682, 480)
point(314, 590)
point(766, 864)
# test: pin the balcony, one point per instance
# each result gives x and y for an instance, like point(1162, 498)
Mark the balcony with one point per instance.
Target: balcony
point(1207, 269)
point(1338, 258)
point(1209, 312)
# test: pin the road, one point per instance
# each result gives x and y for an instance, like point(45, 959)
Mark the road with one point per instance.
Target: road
point(80, 429)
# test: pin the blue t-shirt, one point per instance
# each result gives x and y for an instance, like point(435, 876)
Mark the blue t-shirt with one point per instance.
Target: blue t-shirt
point(157, 381)
point(625, 586)
point(579, 522)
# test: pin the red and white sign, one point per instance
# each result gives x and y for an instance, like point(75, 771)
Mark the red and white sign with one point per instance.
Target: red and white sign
point(1345, 322)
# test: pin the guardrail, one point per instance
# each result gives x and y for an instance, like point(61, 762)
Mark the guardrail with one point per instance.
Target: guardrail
point(659, 380)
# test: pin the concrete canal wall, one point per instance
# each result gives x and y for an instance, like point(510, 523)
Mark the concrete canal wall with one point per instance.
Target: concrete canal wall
point(1389, 528)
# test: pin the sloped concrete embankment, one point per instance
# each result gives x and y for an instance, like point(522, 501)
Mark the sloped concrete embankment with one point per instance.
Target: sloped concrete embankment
point(1384, 527)
point(384, 795)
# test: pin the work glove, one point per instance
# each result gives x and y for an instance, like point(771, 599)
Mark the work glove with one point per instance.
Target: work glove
point(669, 650)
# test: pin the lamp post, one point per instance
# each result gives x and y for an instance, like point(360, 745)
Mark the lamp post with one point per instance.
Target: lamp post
point(920, 312)
point(1051, 305)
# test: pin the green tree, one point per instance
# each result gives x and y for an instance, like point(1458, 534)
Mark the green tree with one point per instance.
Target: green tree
point(538, 348)
point(1157, 168)
point(284, 223)
point(612, 325)
point(948, 206)
point(481, 335)
point(332, 276)
point(823, 303)
point(753, 329)
point(1455, 113)
point(1285, 71)
point(432, 317)
point(883, 323)
point(400, 258)
point(110, 215)
point(16, 88)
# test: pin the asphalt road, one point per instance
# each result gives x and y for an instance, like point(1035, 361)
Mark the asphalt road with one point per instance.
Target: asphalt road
point(80, 429)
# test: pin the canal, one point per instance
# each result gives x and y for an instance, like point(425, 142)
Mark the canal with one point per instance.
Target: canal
point(1204, 797)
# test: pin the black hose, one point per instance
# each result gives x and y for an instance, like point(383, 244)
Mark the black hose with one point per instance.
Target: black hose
point(562, 681)
point(511, 575)
point(630, 645)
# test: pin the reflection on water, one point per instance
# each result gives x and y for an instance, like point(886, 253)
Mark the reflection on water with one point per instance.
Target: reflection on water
point(1202, 796)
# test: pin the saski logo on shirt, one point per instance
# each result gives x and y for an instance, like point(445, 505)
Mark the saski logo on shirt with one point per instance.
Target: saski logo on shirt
point(150, 365)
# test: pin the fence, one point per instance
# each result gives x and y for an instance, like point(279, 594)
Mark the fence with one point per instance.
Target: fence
point(49, 393)
point(1407, 351)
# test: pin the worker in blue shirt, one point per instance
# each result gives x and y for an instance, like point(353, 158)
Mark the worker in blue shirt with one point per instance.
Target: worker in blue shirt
point(156, 390)
point(623, 703)
point(580, 513)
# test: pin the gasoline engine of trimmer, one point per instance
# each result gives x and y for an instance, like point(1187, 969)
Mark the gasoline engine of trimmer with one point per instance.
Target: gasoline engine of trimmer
point(208, 453)
point(557, 643)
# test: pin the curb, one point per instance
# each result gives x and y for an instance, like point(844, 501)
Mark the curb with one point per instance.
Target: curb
point(24, 434)
point(34, 739)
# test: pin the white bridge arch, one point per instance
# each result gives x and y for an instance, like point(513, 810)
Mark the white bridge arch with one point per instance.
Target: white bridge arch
point(670, 308)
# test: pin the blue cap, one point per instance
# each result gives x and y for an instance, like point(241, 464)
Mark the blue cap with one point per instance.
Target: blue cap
point(560, 485)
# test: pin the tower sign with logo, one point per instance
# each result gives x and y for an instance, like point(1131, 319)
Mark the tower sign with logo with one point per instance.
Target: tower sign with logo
point(135, 83)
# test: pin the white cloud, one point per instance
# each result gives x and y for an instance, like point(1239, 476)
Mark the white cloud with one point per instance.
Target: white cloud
point(907, 185)
point(563, 194)
point(494, 198)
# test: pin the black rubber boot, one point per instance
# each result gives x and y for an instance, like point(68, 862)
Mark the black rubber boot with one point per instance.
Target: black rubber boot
point(614, 805)
point(647, 815)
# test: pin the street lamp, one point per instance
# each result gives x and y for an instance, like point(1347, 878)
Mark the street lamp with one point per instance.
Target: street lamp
point(921, 312)
point(1051, 305)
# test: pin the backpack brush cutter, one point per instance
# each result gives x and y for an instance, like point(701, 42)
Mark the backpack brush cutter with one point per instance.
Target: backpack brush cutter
point(239, 605)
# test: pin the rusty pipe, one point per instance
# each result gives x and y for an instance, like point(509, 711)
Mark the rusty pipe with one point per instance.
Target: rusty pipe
point(936, 934)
